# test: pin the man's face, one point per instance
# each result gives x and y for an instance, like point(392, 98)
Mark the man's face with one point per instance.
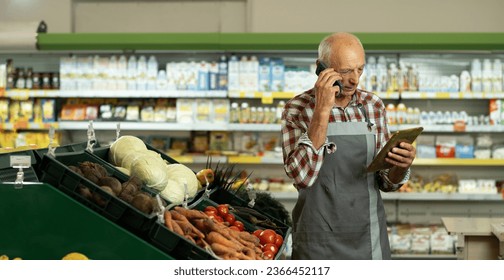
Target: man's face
point(349, 61)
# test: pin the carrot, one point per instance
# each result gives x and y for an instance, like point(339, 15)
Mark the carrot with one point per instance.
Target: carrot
point(176, 228)
point(190, 238)
point(186, 225)
point(168, 219)
point(250, 253)
point(223, 250)
point(191, 213)
point(244, 238)
point(201, 225)
point(215, 237)
point(242, 256)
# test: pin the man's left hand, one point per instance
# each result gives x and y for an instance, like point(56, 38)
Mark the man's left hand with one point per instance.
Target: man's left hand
point(402, 156)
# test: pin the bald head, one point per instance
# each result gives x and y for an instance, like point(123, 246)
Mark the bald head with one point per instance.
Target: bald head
point(334, 43)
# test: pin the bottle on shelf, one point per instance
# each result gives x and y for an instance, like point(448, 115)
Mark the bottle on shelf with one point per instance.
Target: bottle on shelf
point(21, 78)
point(279, 111)
point(234, 116)
point(29, 78)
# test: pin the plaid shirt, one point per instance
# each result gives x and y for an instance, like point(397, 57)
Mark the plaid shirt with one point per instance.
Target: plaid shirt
point(302, 162)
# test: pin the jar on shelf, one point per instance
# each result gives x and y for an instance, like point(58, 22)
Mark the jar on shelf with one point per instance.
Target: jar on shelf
point(234, 116)
point(245, 113)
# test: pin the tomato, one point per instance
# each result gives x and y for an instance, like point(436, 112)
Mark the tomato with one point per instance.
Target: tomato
point(257, 232)
point(278, 240)
point(210, 208)
point(268, 255)
point(267, 236)
point(239, 225)
point(270, 247)
point(234, 228)
point(222, 210)
point(219, 219)
point(230, 218)
point(214, 217)
point(211, 212)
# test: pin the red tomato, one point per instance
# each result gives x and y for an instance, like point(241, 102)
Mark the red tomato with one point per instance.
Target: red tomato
point(214, 217)
point(219, 219)
point(278, 240)
point(222, 210)
point(234, 228)
point(211, 212)
point(267, 236)
point(239, 225)
point(268, 255)
point(210, 208)
point(257, 232)
point(270, 247)
point(230, 218)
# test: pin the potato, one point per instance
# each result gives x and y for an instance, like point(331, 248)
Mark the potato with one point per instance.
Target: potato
point(143, 202)
point(99, 199)
point(112, 182)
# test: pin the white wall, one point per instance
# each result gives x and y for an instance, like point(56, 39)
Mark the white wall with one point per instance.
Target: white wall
point(259, 15)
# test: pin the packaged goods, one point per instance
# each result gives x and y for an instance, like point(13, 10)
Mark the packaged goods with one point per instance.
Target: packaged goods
point(204, 108)
point(277, 74)
point(265, 74)
point(222, 74)
point(185, 110)
point(445, 146)
point(464, 147)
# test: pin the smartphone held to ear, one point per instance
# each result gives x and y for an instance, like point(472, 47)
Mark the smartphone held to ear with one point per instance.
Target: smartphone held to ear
point(320, 67)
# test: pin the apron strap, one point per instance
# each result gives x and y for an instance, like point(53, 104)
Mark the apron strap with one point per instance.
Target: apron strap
point(366, 117)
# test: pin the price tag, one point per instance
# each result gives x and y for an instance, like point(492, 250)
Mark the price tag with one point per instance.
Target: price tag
point(459, 126)
point(20, 161)
point(267, 98)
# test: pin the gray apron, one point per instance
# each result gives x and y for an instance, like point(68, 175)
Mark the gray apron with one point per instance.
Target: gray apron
point(342, 216)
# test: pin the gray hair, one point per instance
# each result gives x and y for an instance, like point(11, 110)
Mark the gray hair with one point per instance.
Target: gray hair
point(326, 45)
point(324, 49)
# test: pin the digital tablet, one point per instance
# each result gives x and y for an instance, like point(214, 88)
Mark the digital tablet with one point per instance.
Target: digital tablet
point(406, 135)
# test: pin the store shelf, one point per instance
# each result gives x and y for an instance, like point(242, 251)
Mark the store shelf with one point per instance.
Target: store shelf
point(199, 159)
point(442, 196)
point(254, 160)
point(457, 162)
point(265, 96)
point(264, 41)
point(414, 196)
point(448, 128)
point(261, 94)
point(451, 95)
point(253, 127)
point(28, 126)
point(230, 159)
point(25, 94)
point(101, 125)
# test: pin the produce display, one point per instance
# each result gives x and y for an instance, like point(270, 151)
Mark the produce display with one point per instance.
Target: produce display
point(164, 203)
point(226, 239)
point(129, 191)
point(173, 181)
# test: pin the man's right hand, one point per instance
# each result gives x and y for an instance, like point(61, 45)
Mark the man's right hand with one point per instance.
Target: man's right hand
point(325, 92)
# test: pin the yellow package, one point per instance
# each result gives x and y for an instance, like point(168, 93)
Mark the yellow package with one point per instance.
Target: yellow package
point(26, 110)
point(4, 110)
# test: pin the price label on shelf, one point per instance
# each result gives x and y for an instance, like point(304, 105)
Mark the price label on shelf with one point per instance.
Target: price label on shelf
point(20, 161)
point(267, 98)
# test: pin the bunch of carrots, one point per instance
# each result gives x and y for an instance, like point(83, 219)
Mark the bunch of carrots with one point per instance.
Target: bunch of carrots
point(206, 233)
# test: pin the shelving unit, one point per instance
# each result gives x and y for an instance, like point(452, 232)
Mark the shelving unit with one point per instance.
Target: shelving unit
point(400, 207)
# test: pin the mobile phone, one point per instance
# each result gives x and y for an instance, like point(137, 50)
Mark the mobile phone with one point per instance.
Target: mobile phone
point(320, 67)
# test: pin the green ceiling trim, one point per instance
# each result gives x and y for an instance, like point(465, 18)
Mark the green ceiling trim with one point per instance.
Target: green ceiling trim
point(266, 41)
